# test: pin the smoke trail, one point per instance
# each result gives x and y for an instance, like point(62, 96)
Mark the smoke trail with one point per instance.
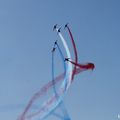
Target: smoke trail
point(45, 105)
point(82, 67)
point(61, 106)
point(69, 72)
point(39, 94)
point(74, 48)
point(53, 102)
point(86, 66)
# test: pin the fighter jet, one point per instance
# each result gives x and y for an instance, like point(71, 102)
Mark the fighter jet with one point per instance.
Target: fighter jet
point(59, 29)
point(66, 25)
point(54, 27)
point(66, 59)
point(55, 42)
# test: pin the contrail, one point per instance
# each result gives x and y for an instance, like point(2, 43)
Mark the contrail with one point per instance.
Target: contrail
point(56, 100)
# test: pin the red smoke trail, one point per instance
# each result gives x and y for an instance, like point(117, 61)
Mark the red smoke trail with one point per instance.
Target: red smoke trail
point(87, 66)
point(75, 50)
point(41, 92)
point(81, 67)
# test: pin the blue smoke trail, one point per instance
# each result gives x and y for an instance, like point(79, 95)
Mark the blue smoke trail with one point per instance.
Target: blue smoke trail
point(61, 106)
point(66, 78)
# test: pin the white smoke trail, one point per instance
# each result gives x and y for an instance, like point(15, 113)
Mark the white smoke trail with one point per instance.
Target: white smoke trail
point(69, 72)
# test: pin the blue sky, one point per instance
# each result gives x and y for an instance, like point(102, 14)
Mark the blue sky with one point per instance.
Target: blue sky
point(26, 39)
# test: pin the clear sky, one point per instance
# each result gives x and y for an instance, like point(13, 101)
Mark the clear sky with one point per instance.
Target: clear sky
point(26, 40)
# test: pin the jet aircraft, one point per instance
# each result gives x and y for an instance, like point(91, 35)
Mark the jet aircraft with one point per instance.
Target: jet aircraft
point(54, 27)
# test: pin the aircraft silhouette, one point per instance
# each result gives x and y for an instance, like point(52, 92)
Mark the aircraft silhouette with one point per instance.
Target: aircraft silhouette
point(66, 25)
point(55, 43)
point(59, 29)
point(66, 59)
point(54, 27)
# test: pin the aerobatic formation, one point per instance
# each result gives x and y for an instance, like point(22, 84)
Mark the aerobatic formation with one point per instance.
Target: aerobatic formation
point(71, 67)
